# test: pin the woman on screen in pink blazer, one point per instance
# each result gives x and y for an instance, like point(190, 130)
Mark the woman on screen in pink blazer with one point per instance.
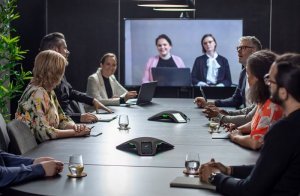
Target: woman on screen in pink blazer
point(164, 59)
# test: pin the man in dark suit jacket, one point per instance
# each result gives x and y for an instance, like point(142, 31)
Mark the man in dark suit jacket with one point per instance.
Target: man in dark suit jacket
point(67, 96)
point(247, 46)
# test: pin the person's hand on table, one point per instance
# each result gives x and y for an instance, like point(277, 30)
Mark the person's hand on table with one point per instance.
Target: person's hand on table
point(98, 105)
point(206, 170)
point(220, 166)
point(41, 159)
point(230, 127)
point(211, 111)
point(130, 95)
point(52, 167)
point(81, 130)
point(200, 101)
point(88, 118)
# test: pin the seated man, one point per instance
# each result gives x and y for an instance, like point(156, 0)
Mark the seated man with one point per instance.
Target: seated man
point(66, 95)
point(247, 46)
point(16, 169)
point(277, 170)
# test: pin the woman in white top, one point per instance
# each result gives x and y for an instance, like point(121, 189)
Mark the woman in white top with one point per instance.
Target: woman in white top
point(210, 69)
point(103, 85)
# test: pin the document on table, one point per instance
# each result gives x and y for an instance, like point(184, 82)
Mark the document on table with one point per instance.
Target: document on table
point(106, 117)
point(191, 182)
point(222, 135)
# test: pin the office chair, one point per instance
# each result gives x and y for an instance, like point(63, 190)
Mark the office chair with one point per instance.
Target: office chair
point(4, 138)
point(21, 138)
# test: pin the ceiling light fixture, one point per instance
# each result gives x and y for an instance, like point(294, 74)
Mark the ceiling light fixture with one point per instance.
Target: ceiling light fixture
point(164, 4)
point(175, 9)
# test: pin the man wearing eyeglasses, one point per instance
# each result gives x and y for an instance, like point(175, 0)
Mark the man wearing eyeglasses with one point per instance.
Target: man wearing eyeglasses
point(247, 46)
point(277, 170)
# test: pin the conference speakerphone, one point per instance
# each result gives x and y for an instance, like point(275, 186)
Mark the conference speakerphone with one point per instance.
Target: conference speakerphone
point(145, 146)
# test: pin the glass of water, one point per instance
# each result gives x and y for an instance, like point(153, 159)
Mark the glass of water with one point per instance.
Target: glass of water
point(123, 122)
point(214, 124)
point(192, 163)
point(76, 165)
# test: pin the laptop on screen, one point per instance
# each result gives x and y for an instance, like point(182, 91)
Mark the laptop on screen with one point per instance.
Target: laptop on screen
point(171, 76)
point(145, 95)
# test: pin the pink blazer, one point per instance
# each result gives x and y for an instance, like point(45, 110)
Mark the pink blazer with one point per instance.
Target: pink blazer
point(152, 62)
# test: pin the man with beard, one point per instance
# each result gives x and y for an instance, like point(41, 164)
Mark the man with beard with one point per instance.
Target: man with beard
point(67, 96)
point(277, 170)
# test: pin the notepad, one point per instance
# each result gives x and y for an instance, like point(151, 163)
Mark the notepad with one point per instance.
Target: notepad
point(106, 117)
point(191, 182)
point(221, 135)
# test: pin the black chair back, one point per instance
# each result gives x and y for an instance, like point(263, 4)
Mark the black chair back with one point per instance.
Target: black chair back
point(4, 138)
point(21, 138)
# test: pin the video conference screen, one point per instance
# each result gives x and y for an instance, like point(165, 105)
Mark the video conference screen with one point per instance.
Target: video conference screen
point(185, 34)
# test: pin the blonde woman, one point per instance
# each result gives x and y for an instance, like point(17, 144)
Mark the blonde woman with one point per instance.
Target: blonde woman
point(39, 107)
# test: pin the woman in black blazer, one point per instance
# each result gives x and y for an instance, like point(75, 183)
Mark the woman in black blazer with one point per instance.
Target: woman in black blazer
point(210, 69)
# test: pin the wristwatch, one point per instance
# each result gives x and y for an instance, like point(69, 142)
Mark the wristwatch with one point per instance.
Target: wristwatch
point(212, 177)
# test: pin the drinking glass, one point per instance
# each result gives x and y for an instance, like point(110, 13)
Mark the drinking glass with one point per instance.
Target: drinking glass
point(192, 163)
point(123, 122)
point(76, 165)
point(214, 124)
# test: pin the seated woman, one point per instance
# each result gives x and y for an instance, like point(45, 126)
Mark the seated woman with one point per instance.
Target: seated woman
point(103, 85)
point(250, 135)
point(38, 107)
point(210, 69)
point(163, 59)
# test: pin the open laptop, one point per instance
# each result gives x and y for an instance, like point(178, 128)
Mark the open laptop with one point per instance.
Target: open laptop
point(145, 95)
point(172, 76)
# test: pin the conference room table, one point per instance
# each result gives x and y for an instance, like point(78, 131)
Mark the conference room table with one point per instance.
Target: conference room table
point(115, 172)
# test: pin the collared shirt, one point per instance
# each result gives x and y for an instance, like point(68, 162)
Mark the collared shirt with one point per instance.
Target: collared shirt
point(213, 67)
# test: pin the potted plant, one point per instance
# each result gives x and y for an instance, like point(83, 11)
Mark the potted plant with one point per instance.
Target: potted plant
point(12, 76)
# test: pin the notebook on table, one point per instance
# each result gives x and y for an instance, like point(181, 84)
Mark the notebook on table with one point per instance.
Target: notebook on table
point(191, 182)
point(145, 95)
point(105, 117)
point(171, 76)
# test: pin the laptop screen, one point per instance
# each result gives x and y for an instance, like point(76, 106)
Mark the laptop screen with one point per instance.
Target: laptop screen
point(146, 92)
point(167, 76)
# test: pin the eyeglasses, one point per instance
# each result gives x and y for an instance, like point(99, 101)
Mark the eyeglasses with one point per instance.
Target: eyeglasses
point(243, 47)
point(268, 81)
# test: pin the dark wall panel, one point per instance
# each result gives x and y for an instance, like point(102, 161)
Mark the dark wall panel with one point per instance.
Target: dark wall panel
point(91, 29)
point(286, 26)
point(255, 15)
point(31, 28)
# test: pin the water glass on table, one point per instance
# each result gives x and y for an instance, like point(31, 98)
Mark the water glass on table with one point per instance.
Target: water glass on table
point(192, 163)
point(76, 165)
point(123, 122)
point(214, 125)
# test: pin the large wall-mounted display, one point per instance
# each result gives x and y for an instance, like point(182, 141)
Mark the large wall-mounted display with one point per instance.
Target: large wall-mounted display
point(185, 35)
